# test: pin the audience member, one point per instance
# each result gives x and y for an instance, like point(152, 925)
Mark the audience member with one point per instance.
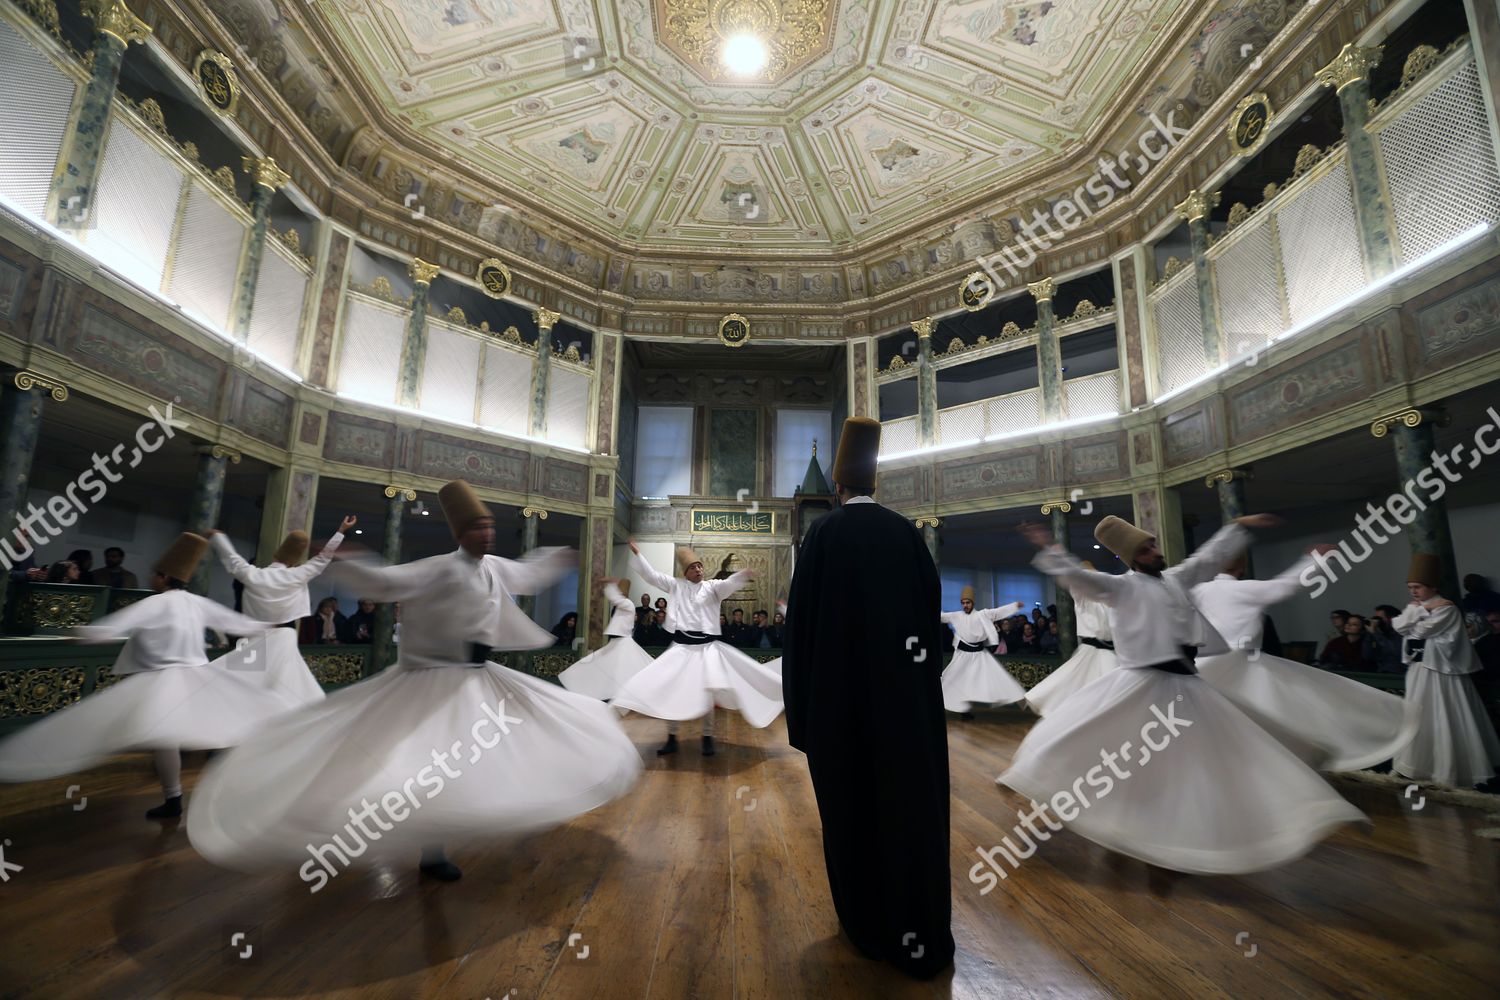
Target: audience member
point(661, 605)
point(1352, 650)
point(325, 627)
point(360, 628)
point(566, 629)
point(737, 633)
point(1385, 642)
point(85, 560)
point(1050, 641)
point(1028, 642)
point(113, 573)
point(1336, 621)
point(1480, 597)
point(64, 571)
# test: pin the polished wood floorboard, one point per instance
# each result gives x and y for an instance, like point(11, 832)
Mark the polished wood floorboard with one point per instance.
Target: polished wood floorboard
point(707, 881)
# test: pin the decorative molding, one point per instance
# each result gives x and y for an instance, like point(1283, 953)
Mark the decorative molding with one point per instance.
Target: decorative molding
point(422, 272)
point(30, 379)
point(1041, 290)
point(1197, 205)
point(44, 11)
point(264, 171)
point(545, 318)
point(923, 327)
point(112, 17)
point(392, 492)
point(1352, 64)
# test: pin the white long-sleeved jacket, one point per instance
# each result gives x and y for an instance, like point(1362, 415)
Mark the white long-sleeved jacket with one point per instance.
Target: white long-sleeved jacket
point(275, 593)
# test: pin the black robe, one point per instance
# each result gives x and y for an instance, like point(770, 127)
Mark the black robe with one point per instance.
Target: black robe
point(861, 669)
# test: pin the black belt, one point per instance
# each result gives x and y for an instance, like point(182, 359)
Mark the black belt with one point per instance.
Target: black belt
point(1175, 666)
point(1089, 640)
point(1190, 653)
point(479, 654)
point(971, 647)
point(694, 638)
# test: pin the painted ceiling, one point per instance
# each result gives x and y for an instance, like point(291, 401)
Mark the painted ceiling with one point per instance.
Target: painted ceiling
point(608, 126)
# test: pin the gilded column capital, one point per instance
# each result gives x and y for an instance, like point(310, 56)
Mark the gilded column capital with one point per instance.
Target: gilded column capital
point(1197, 205)
point(112, 17)
point(1063, 505)
point(392, 492)
point(1409, 417)
point(1041, 290)
point(264, 171)
point(220, 451)
point(1213, 479)
point(1352, 64)
point(928, 522)
point(422, 272)
point(28, 380)
point(536, 512)
point(924, 326)
point(546, 318)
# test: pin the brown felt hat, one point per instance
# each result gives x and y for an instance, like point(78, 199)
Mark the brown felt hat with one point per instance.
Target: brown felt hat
point(292, 550)
point(461, 506)
point(1121, 537)
point(859, 447)
point(967, 594)
point(624, 586)
point(1426, 569)
point(180, 561)
point(686, 557)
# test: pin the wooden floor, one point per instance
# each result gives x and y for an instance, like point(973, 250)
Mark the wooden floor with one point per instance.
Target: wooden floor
point(708, 881)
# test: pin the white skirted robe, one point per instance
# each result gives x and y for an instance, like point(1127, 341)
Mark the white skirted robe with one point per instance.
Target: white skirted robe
point(974, 675)
point(1455, 741)
point(601, 673)
point(1087, 664)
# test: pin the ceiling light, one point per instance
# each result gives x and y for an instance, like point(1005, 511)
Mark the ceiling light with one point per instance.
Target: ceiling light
point(744, 55)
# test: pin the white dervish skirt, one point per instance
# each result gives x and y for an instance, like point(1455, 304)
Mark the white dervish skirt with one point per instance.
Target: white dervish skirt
point(602, 673)
point(207, 707)
point(686, 682)
point(440, 754)
point(1221, 796)
point(1455, 741)
point(975, 676)
point(1087, 664)
point(1331, 722)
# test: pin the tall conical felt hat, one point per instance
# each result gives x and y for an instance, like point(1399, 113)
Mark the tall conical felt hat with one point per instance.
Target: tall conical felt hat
point(461, 506)
point(1121, 537)
point(624, 586)
point(859, 447)
point(180, 561)
point(292, 550)
point(1426, 569)
point(686, 557)
point(967, 594)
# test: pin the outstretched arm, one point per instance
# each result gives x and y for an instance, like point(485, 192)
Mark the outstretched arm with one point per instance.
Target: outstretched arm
point(647, 572)
point(537, 570)
point(232, 560)
point(715, 591)
point(1004, 611)
point(1280, 588)
point(318, 563)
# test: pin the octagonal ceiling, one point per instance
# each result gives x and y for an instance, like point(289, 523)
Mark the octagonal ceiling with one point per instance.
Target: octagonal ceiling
point(873, 118)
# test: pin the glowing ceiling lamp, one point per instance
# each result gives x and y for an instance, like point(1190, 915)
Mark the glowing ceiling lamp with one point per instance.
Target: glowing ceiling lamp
point(744, 54)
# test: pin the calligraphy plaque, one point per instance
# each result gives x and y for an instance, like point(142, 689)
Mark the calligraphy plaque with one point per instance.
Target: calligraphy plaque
point(215, 75)
point(1248, 123)
point(494, 277)
point(733, 522)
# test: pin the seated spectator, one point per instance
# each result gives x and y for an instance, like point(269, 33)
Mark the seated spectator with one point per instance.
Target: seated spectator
point(761, 633)
point(64, 571)
point(85, 560)
point(27, 571)
point(360, 628)
point(646, 602)
point(1037, 615)
point(737, 633)
point(1350, 651)
point(325, 627)
point(723, 623)
point(1028, 642)
point(1050, 641)
point(1385, 642)
point(1480, 597)
point(661, 605)
point(1336, 621)
point(566, 629)
point(113, 573)
point(656, 633)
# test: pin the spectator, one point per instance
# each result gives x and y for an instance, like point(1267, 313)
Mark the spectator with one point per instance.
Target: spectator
point(1480, 598)
point(646, 603)
point(85, 560)
point(566, 629)
point(326, 626)
point(1037, 615)
point(737, 633)
point(27, 571)
point(360, 628)
point(1028, 642)
point(1384, 640)
point(762, 634)
point(1351, 650)
point(113, 573)
point(64, 571)
point(1050, 641)
point(1336, 621)
point(723, 623)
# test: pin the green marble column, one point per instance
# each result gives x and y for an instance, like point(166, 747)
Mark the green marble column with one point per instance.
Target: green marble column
point(1350, 73)
point(78, 165)
point(414, 350)
point(1429, 531)
point(382, 645)
point(1230, 484)
point(928, 526)
point(927, 429)
point(21, 403)
point(531, 530)
point(208, 500)
point(541, 371)
point(1067, 618)
point(1048, 353)
point(1195, 210)
point(268, 178)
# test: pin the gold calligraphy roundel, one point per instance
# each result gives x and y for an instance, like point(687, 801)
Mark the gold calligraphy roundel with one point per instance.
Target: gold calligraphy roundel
point(216, 81)
point(734, 330)
point(494, 277)
point(1249, 123)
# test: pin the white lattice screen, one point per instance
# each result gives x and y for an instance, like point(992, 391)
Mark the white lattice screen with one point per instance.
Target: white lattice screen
point(206, 259)
point(1018, 411)
point(33, 120)
point(450, 374)
point(960, 423)
point(1179, 331)
point(898, 435)
point(136, 205)
point(1092, 395)
point(1440, 164)
point(1251, 304)
point(505, 395)
point(567, 407)
point(276, 322)
point(370, 360)
point(1320, 253)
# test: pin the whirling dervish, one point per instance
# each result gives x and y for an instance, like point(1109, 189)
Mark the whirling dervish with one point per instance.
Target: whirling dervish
point(170, 696)
point(1094, 657)
point(602, 672)
point(974, 675)
point(546, 754)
